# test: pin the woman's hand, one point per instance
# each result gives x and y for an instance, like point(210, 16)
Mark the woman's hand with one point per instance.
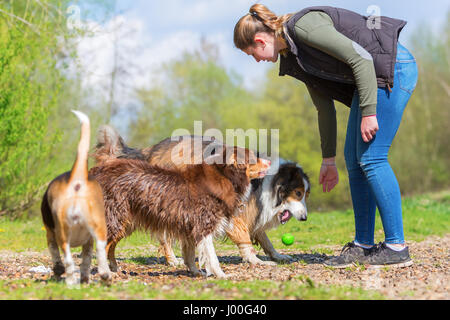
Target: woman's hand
point(369, 127)
point(329, 176)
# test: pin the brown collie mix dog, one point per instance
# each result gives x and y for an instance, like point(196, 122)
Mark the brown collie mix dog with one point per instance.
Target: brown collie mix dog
point(73, 214)
point(192, 205)
point(274, 199)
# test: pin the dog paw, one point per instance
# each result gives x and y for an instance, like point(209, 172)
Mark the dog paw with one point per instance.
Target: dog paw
point(84, 279)
point(254, 260)
point(282, 258)
point(113, 267)
point(222, 275)
point(175, 262)
point(106, 278)
point(58, 269)
point(71, 281)
point(268, 263)
point(198, 273)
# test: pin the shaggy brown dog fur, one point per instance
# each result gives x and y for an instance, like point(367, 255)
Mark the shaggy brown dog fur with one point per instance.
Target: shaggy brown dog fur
point(260, 213)
point(191, 205)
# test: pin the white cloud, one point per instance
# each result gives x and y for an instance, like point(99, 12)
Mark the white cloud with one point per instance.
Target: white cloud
point(154, 32)
point(234, 59)
point(96, 54)
point(122, 44)
point(191, 13)
point(138, 54)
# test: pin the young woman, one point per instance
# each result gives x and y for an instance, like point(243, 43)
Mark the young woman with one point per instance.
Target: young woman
point(341, 55)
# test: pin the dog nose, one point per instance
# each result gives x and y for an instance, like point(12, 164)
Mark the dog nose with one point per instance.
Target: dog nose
point(266, 162)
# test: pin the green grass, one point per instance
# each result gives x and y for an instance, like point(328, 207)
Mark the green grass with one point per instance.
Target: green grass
point(186, 290)
point(422, 215)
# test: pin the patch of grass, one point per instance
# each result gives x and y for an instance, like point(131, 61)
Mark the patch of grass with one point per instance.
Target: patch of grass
point(423, 216)
point(300, 288)
point(22, 235)
point(407, 293)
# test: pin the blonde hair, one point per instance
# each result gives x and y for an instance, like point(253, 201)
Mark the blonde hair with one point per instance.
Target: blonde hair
point(259, 19)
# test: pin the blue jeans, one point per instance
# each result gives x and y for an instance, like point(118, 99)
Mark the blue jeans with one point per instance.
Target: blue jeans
point(372, 182)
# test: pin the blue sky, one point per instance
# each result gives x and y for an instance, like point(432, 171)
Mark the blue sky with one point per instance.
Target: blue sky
point(217, 15)
point(154, 32)
point(215, 19)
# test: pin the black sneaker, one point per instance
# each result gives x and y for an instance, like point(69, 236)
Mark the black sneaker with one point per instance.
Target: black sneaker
point(381, 255)
point(350, 254)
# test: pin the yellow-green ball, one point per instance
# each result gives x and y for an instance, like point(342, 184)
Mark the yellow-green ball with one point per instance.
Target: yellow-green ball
point(287, 239)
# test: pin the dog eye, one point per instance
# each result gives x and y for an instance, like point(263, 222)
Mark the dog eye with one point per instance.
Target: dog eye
point(298, 194)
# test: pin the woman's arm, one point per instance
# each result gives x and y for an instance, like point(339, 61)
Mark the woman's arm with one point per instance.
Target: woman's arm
point(317, 30)
point(328, 176)
point(327, 122)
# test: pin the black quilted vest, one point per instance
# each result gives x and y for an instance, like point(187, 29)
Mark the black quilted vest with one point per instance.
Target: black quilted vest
point(331, 76)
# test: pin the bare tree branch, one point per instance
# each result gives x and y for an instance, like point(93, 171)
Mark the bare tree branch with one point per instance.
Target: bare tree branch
point(33, 27)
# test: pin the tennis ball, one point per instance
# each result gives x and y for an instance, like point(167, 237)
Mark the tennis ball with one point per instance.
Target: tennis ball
point(287, 239)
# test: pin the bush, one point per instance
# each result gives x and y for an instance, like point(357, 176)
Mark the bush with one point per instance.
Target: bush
point(30, 92)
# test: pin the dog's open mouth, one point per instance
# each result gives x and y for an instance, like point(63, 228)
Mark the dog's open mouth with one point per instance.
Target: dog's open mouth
point(258, 174)
point(262, 174)
point(284, 216)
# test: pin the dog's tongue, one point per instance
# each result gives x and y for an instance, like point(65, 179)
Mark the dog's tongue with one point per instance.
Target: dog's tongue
point(286, 216)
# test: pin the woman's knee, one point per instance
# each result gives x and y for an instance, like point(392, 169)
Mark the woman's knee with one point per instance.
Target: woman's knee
point(371, 163)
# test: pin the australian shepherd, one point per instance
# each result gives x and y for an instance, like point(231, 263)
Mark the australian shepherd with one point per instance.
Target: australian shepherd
point(273, 200)
point(192, 205)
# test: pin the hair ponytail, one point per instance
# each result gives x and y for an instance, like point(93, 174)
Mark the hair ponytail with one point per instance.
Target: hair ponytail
point(259, 19)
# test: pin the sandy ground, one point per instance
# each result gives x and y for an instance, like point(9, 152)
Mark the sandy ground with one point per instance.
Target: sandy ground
point(427, 278)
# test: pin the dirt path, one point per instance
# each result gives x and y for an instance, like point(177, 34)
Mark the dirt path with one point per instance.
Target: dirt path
point(428, 278)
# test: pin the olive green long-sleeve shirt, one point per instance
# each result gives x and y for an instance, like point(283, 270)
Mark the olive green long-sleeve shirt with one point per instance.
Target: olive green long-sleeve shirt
point(317, 30)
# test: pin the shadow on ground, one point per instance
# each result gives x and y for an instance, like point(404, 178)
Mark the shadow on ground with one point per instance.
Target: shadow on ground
point(308, 258)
